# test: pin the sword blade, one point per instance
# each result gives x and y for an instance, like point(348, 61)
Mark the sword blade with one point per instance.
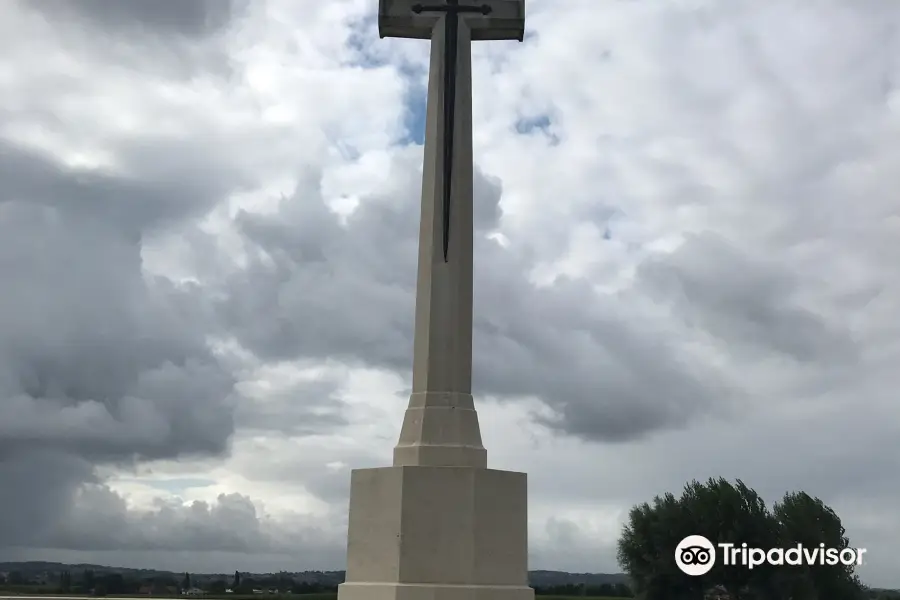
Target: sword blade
point(452, 11)
point(451, 33)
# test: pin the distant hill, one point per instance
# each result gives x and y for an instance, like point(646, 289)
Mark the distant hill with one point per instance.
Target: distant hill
point(33, 569)
point(37, 566)
point(554, 578)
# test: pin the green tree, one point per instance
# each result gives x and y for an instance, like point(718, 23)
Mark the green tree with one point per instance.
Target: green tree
point(646, 546)
point(88, 580)
point(808, 521)
point(237, 581)
point(186, 582)
point(247, 584)
point(285, 582)
point(620, 590)
point(726, 513)
point(112, 583)
point(65, 582)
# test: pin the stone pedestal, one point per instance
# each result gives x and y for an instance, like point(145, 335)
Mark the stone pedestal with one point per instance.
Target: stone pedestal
point(437, 533)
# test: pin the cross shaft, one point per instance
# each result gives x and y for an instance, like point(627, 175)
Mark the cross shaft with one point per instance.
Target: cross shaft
point(453, 10)
point(440, 427)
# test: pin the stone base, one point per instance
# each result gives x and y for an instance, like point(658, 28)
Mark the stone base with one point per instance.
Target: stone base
point(437, 533)
point(440, 429)
point(411, 591)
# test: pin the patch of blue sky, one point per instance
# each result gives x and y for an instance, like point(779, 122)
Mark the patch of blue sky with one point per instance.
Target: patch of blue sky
point(618, 227)
point(414, 120)
point(363, 44)
point(538, 125)
point(608, 218)
point(177, 485)
point(183, 483)
point(416, 76)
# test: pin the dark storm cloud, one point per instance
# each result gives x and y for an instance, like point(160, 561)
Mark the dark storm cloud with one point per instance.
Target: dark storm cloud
point(176, 180)
point(742, 300)
point(99, 363)
point(97, 360)
point(320, 289)
point(37, 487)
point(607, 375)
point(98, 521)
point(192, 18)
point(101, 521)
point(308, 408)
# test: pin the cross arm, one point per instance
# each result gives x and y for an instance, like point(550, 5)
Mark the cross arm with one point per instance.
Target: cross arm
point(506, 20)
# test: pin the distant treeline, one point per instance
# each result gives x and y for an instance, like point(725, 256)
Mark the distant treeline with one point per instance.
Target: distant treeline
point(89, 582)
point(603, 590)
point(102, 584)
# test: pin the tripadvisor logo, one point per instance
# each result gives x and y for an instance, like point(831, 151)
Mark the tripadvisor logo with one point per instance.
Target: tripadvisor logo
point(695, 555)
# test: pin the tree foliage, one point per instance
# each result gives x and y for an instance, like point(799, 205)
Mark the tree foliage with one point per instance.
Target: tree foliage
point(734, 513)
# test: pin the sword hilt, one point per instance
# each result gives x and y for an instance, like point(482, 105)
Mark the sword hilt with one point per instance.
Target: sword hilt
point(484, 9)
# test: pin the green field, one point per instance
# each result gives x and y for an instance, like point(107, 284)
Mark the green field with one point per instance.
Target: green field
point(577, 598)
point(323, 596)
point(334, 597)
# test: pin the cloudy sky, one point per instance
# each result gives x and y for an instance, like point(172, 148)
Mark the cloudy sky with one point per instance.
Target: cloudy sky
point(687, 214)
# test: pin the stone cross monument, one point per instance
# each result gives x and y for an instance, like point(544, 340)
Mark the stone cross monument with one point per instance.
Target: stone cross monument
point(438, 524)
